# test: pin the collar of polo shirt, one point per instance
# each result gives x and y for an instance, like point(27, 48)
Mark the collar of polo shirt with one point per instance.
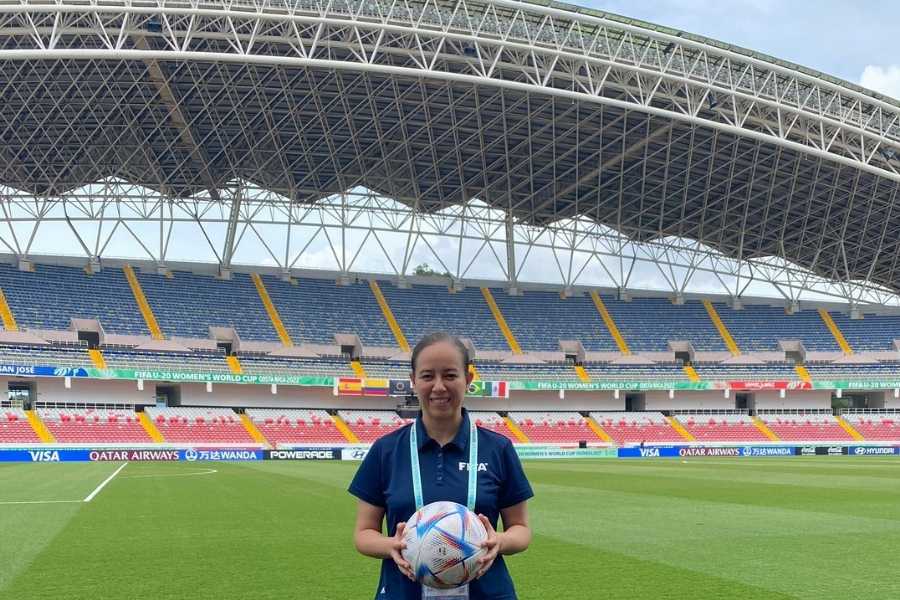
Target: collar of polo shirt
point(460, 440)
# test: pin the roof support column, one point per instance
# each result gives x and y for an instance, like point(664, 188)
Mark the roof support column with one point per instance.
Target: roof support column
point(233, 217)
point(511, 272)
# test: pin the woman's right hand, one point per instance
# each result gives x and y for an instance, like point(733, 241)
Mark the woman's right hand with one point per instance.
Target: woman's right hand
point(397, 546)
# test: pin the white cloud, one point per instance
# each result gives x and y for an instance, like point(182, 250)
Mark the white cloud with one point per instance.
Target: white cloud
point(882, 79)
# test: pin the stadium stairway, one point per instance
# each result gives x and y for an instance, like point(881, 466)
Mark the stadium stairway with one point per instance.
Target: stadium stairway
point(39, 428)
point(520, 435)
point(144, 306)
point(274, 316)
point(677, 426)
point(610, 324)
point(691, 373)
point(835, 331)
point(97, 358)
point(765, 429)
point(389, 316)
point(582, 374)
point(345, 431)
point(595, 427)
point(501, 322)
point(9, 321)
point(235, 365)
point(849, 429)
point(255, 433)
point(802, 373)
point(358, 369)
point(722, 329)
point(150, 428)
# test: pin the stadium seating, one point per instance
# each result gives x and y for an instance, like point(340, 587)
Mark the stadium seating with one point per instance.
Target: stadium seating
point(494, 422)
point(758, 328)
point(200, 426)
point(296, 426)
point(94, 426)
point(369, 425)
point(554, 427)
point(636, 427)
point(806, 427)
point(51, 296)
point(15, 428)
point(881, 427)
point(721, 428)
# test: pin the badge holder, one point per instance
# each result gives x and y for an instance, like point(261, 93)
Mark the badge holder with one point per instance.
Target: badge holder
point(457, 593)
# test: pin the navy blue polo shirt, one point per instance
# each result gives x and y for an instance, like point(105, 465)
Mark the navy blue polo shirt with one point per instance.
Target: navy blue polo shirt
point(385, 479)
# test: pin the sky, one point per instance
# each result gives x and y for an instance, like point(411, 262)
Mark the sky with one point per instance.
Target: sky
point(855, 41)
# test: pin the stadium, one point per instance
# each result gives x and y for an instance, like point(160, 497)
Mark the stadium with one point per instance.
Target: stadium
point(673, 260)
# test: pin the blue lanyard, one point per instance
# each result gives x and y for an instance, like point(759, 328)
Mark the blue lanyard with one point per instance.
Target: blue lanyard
point(473, 466)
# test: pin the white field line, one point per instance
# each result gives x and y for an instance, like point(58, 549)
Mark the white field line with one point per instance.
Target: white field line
point(40, 501)
point(103, 484)
point(203, 472)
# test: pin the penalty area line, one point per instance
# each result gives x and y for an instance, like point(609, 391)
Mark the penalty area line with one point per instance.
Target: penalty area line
point(103, 484)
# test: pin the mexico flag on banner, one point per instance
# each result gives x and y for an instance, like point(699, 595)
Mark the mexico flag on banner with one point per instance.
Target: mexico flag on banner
point(488, 389)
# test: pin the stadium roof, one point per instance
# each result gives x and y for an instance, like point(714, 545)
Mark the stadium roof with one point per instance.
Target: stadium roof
point(547, 111)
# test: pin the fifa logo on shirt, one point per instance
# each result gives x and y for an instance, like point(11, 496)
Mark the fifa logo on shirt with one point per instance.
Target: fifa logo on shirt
point(464, 466)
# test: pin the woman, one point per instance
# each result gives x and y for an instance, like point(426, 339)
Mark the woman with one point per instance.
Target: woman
point(384, 482)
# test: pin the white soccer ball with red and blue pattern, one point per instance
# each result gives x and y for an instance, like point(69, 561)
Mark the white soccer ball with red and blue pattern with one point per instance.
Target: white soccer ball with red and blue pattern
point(443, 544)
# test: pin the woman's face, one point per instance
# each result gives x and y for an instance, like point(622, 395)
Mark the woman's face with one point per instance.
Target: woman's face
point(440, 380)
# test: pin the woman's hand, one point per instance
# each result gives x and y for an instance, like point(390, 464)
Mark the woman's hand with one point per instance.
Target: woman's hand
point(491, 547)
point(397, 545)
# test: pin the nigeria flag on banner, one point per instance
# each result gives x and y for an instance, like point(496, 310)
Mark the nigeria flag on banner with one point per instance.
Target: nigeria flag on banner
point(490, 389)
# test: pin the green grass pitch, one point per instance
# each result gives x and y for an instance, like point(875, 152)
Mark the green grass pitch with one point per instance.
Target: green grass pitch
point(770, 528)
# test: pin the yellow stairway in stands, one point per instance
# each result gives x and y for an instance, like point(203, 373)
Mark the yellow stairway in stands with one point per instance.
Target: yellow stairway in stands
point(283, 334)
point(389, 316)
point(501, 322)
point(358, 369)
point(143, 305)
point(9, 321)
point(595, 427)
point(802, 373)
point(764, 429)
point(520, 435)
point(342, 427)
point(691, 373)
point(150, 428)
point(582, 374)
point(720, 326)
point(235, 365)
point(677, 426)
point(97, 358)
point(255, 433)
point(849, 429)
point(835, 331)
point(610, 324)
point(39, 428)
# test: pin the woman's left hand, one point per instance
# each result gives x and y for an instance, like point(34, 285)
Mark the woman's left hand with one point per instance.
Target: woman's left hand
point(491, 547)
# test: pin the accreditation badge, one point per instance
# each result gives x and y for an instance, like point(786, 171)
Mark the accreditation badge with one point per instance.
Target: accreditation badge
point(457, 593)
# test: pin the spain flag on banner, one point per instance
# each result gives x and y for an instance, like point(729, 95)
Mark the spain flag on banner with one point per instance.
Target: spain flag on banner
point(349, 386)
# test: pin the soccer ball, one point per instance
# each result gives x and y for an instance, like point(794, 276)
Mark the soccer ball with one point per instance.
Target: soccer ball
point(443, 544)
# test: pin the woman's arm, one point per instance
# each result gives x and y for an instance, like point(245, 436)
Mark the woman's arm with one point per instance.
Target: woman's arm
point(369, 540)
point(515, 537)
point(516, 534)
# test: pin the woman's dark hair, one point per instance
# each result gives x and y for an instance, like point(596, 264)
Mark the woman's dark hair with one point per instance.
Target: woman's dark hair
point(437, 337)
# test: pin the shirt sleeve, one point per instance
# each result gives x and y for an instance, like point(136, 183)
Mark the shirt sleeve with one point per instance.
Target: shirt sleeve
point(515, 487)
point(367, 483)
